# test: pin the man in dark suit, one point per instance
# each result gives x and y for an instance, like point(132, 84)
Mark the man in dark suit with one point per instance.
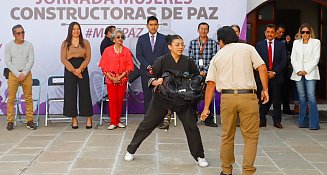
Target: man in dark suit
point(273, 53)
point(280, 36)
point(148, 48)
point(106, 42)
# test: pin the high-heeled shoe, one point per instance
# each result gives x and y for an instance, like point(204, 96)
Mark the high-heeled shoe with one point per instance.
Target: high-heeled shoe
point(74, 127)
point(88, 127)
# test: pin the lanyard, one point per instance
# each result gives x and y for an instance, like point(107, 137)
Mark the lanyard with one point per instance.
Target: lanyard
point(202, 46)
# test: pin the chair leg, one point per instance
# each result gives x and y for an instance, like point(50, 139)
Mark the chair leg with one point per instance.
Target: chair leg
point(126, 113)
point(16, 112)
point(38, 113)
point(214, 109)
point(46, 113)
point(175, 119)
point(101, 112)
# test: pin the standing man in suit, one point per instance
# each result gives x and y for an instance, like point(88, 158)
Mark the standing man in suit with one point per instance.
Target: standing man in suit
point(149, 47)
point(106, 42)
point(280, 36)
point(273, 53)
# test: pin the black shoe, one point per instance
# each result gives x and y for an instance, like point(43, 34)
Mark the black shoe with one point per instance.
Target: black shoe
point(163, 125)
point(289, 112)
point(210, 123)
point(278, 125)
point(303, 126)
point(74, 126)
point(10, 126)
point(222, 173)
point(263, 124)
point(88, 127)
point(31, 125)
point(314, 128)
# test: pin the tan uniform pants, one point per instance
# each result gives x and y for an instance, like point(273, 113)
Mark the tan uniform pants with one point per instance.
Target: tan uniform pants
point(246, 107)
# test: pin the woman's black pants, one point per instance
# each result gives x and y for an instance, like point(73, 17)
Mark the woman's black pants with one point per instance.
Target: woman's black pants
point(156, 112)
point(73, 86)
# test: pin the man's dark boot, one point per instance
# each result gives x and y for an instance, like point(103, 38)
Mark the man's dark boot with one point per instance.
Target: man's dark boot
point(209, 121)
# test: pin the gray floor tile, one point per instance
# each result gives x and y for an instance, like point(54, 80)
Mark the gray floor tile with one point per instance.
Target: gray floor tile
point(56, 157)
point(58, 149)
point(95, 171)
point(41, 168)
point(94, 163)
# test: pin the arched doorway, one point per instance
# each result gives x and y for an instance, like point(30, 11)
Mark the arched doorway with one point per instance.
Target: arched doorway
point(292, 14)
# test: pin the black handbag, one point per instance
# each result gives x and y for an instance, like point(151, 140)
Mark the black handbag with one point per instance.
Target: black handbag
point(189, 87)
point(6, 73)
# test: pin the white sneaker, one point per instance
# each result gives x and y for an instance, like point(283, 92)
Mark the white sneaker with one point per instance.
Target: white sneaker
point(202, 162)
point(111, 127)
point(129, 156)
point(121, 125)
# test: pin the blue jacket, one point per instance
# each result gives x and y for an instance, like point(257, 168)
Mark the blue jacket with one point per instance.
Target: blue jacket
point(144, 51)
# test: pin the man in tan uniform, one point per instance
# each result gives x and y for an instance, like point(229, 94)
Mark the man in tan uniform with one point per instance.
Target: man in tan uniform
point(231, 73)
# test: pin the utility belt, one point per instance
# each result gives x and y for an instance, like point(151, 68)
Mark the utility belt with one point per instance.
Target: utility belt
point(238, 91)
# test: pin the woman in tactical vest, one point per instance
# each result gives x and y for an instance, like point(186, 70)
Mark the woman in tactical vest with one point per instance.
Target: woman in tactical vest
point(171, 62)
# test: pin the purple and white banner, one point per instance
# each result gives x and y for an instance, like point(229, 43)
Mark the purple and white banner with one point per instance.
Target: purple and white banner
point(46, 23)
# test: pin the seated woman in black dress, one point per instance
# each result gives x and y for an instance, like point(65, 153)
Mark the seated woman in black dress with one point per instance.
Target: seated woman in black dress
point(173, 61)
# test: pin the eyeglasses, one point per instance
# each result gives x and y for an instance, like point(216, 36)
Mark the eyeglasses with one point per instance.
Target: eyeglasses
point(305, 32)
point(120, 37)
point(20, 33)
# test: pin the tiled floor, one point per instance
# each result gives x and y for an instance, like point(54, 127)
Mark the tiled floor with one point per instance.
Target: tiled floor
point(58, 149)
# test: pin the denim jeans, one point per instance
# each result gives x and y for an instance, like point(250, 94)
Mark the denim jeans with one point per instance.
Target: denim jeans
point(295, 94)
point(306, 89)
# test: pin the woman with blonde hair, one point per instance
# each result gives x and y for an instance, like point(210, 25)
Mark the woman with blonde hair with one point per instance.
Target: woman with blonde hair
point(305, 58)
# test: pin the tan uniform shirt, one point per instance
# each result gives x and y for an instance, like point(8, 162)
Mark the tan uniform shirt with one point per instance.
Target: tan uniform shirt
point(75, 52)
point(232, 67)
